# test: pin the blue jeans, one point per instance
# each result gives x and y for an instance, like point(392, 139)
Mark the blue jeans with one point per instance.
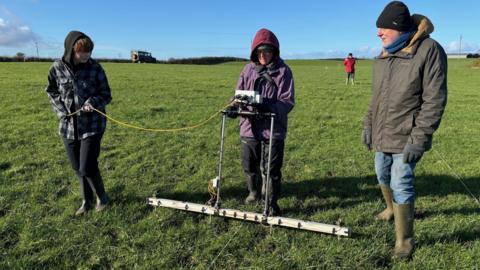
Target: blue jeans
point(394, 173)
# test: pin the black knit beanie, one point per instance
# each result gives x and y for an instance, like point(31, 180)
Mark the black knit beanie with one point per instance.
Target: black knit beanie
point(395, 16)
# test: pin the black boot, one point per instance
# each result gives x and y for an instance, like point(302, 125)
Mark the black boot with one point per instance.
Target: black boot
point(102, 202)
point(252, 185)
point(87, 194)
point(274, 194)
point(84, 208)
point(275, 209)
point(264, 186)
point(96, 183)
point(276, 185)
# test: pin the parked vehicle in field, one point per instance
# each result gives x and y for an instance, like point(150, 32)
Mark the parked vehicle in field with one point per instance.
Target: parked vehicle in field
point(142, 57)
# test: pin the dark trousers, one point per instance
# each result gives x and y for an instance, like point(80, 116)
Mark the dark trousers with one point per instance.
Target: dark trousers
point(351, 75)
point(83, 155)
point(255, 163)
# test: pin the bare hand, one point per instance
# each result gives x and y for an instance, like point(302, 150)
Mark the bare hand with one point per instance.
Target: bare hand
point(87, 108)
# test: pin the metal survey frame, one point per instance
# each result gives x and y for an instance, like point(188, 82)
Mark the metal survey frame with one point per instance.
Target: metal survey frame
point(251, 216)
point(243, 215)
point(270, 139)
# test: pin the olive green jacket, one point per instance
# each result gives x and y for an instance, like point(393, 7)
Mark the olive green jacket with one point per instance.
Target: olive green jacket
point(409, 93)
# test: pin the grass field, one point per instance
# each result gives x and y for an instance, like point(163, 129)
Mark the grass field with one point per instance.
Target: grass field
point(328, 175)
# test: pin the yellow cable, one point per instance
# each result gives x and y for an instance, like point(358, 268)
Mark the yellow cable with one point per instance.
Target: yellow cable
point(153, 129)
point(211, 189)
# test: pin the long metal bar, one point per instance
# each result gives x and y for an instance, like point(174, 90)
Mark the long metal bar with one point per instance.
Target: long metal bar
point(251, 216)
point(269, 161)
point(220, 162)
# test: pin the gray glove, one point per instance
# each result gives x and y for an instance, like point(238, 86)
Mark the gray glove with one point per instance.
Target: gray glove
point(412, 153)
point(367, 138)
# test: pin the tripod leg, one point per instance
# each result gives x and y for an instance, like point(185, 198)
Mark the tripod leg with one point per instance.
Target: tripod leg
point(220, 162)
point(268, 180)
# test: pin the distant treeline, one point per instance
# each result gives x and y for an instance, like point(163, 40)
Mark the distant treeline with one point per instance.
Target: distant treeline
point(24, 59)
point(203, 60)
point(473, 55)
point(190, 61)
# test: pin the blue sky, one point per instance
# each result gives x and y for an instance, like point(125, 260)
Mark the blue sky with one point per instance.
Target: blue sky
point(178, 29)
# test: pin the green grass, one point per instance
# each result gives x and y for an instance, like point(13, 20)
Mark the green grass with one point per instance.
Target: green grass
point(476, 64)
point(328, 175)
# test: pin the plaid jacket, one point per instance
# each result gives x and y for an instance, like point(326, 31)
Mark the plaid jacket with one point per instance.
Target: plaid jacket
point(68, 92)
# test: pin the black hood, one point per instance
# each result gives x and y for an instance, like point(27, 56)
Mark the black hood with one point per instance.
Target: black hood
point(70, 40)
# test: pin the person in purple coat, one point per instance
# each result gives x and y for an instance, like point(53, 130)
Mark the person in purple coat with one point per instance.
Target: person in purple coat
point(273, 79)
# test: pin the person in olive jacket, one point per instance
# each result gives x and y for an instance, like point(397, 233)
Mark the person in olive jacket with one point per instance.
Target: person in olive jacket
point(78, 83)
point(409, 98)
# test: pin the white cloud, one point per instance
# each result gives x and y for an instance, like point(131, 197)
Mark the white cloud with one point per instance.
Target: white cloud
point(362, 52)
point(466, 47)
point(24, 28)
point(13, 32)
point(15, 35)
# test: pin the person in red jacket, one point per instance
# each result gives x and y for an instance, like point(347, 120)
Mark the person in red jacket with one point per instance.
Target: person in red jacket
point(349, 63)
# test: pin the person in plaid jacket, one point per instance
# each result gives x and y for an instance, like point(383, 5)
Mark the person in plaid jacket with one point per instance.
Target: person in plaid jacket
point(77, 83)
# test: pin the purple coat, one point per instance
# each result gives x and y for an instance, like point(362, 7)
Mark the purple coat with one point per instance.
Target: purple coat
point(280, 96)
